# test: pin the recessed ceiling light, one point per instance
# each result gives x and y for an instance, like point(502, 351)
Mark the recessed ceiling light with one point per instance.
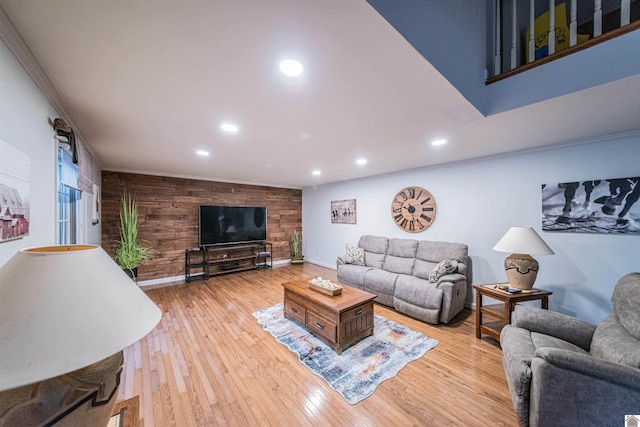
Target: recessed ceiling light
point(202, 153)
point(229, 127)
point(316, 172)
point(439, 142)
point(291, 67)
point(361, 162)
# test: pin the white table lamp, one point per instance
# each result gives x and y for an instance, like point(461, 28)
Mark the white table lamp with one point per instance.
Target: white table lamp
point(66, 314)
point(521, 268)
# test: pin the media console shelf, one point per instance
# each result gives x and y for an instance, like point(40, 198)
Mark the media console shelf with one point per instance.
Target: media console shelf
point(214, 260)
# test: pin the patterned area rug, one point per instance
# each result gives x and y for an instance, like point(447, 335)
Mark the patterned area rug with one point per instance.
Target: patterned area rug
point(357, 372)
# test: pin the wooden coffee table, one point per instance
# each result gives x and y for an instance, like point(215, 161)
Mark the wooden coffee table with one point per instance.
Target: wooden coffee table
point(340, 321)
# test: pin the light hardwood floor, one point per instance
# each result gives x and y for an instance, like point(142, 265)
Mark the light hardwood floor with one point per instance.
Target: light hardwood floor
point(210, 363)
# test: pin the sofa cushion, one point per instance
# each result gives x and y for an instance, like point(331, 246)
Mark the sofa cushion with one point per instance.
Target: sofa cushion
point(437, 251)
point(422, 269)
point(613, 342)
point(625, 302)
point(354, 255)
point(380, 281)
point(374, 260)
point(352, 274)
point(418, 292)
point(402, 248)
point(397, 264)
point(375, 244)
point(446, 266)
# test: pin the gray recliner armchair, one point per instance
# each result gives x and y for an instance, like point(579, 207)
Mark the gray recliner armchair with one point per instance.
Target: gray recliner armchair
point(562, 371)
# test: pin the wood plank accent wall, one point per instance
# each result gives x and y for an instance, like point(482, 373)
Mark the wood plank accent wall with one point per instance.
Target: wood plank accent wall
point(168, 215)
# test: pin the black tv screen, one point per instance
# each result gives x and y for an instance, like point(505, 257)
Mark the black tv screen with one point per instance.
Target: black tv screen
point(221, 225)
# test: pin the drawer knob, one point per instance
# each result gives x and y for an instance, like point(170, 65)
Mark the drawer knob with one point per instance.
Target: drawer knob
point(359, 311)
point(319, 325)
point(295, 310)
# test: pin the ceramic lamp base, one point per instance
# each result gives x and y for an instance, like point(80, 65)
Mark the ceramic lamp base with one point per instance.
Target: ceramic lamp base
point(521, 270)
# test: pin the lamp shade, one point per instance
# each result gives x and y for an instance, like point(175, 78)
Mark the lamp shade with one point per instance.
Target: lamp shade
point(63, 308)
point(523, 240)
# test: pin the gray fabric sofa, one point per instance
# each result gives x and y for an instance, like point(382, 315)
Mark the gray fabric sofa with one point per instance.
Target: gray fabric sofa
point(566, 372)
point(398, 270)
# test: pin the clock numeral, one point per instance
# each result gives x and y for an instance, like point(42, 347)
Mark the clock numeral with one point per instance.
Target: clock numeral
point(397, 210)
point(427, 209)
point(425, 200)
point(411, 226)
point(403, 223)
point(426, 218)
point(412, 193)
point(398, 217)
point(404, 196)
point(421, 225)
point(419, 194)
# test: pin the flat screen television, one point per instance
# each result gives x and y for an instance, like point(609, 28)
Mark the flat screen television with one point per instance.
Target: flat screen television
point(222, 225)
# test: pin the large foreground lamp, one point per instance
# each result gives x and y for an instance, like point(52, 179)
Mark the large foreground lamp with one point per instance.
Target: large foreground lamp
point(520, 266)
point(66, 314)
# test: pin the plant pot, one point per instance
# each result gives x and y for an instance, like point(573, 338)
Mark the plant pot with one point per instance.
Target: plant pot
point(132, 273)
point(299, 260)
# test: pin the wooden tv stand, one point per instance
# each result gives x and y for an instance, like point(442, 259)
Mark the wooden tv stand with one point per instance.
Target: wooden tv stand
point(340, 321)
point(206, 261)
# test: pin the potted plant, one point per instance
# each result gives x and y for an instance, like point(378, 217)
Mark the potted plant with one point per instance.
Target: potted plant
point(296, 248)
point(129, 254)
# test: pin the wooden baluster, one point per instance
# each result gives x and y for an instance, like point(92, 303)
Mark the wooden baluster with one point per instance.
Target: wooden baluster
point(597, 18)
point(514, 37)
point(625, 12)
point(551, 40)
point(497, 59)
point(532, 30)
point(573, 24)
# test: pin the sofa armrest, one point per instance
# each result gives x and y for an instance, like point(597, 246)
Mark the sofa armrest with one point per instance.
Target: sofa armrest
point(451, 278)
point(555, 324)
point(340, 260)
point(572, 389)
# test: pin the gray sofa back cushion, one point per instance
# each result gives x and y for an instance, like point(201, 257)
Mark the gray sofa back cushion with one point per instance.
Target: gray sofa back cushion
point(437, 251)
point(625, 302)
point(422, 269)
point(400, 256)
point(375, 249)
point(612, 342)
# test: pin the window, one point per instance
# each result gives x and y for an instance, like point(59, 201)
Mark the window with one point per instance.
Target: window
point(69, 200)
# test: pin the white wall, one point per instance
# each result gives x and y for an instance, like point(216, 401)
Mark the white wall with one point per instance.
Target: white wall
point(23, 124)
point(478, 202)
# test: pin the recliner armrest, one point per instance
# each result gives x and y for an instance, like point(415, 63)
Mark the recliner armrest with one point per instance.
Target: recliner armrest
point(451, 278)
point(340, 261)
point(555, 324)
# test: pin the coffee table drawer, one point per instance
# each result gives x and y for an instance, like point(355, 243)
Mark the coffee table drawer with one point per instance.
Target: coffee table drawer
point(320, 325)
point(295, 311)
point(361, 310)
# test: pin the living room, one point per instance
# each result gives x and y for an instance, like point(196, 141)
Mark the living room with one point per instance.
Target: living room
point(478, 200)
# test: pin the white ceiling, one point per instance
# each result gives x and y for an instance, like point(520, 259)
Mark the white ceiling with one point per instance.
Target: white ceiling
point(147, 83)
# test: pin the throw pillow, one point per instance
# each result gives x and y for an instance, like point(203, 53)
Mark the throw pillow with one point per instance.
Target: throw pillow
point(355, 255)
point(446, 266)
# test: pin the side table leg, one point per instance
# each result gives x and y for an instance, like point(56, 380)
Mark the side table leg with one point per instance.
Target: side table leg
point(478, 313)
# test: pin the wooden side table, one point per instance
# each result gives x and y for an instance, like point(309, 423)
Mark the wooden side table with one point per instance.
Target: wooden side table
point(503, 311)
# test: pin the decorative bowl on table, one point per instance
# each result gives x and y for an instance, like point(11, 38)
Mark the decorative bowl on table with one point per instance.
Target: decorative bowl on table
point(325, 286)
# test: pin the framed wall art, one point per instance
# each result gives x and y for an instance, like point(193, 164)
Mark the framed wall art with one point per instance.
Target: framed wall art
point(343, 211)
point(15, 191)
point(594, 206)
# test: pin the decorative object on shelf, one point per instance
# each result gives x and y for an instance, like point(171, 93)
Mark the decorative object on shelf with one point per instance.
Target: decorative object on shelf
point(66, 314)
point(325, 286)
point(296, 248)
point(343, 211)
point(129, 253)
point(413, 209)
point(65, 137)
point(521, 268)
point(596, 206)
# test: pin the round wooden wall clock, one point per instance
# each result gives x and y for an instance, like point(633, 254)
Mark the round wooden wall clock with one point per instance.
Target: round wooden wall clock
point(413, 209)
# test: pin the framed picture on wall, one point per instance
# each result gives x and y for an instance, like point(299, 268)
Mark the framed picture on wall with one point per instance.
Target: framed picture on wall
point(594, 206)
point(343, 211)
point(15, 192)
